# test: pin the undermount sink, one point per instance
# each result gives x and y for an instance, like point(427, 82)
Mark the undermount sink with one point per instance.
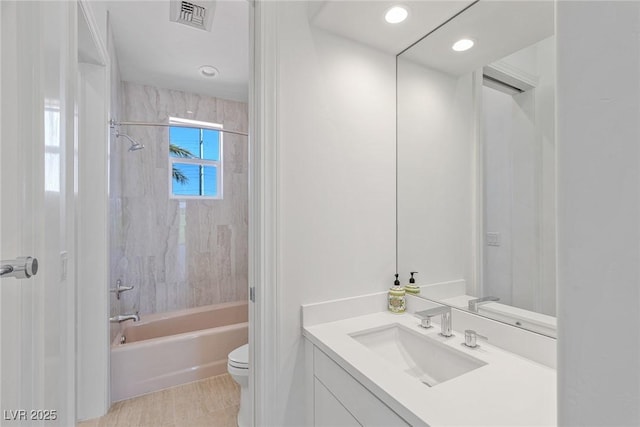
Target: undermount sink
point(418, 355)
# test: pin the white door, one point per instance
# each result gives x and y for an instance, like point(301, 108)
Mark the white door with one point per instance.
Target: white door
point(37, 315)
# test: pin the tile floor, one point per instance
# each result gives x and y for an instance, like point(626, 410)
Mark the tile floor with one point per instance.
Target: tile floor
point(212, 402)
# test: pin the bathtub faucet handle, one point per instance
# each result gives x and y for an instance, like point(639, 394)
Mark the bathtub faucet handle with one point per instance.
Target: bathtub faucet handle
point(124, 317)
point(119, 288)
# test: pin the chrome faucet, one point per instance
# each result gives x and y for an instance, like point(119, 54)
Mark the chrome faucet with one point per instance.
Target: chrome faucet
point(474, 303)
point(124, 317)
point(471, 337)
point(119, 288)
point(445, 323)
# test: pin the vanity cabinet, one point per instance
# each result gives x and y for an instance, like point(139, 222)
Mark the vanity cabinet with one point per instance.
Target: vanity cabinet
point(328, 411)
point(340, 400)
point(373, 369)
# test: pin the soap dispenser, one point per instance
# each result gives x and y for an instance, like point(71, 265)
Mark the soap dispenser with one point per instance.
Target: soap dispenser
point(397, 300)
point(412, 288)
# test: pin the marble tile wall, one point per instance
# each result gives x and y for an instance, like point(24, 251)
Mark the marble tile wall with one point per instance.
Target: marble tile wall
point(177, 253)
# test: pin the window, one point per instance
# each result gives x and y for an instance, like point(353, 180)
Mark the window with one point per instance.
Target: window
point(195, 160)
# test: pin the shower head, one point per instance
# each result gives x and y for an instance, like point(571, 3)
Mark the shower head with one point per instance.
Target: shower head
point(135, 145)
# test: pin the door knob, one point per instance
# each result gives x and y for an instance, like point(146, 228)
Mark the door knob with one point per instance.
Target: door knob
point(20, 268)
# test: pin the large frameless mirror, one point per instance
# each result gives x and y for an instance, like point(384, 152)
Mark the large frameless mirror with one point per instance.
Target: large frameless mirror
point(476, 163)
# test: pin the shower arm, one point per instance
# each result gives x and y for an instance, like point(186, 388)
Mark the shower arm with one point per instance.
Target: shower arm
point(113, 124)
point(124, 135)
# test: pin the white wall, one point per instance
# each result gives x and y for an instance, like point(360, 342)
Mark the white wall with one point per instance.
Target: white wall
point(512, 197)
point(100, 13)
point(599, 213)
point(497, 140)
point(92, 114)
point(336, 124)
point(92, 240)
point(519, 183)
point(546, 119)
point(436, 170)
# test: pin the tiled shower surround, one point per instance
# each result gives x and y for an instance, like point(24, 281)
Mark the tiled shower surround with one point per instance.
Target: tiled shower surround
point(176, 253)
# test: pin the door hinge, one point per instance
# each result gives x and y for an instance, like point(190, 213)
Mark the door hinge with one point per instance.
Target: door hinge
point(252, 294)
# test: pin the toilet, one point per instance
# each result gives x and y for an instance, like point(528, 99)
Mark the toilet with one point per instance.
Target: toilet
point(238, 368)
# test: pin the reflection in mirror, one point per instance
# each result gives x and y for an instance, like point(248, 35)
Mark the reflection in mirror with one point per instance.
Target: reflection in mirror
point(476, 163)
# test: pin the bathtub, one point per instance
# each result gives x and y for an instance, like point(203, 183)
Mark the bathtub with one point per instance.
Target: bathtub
point(168, 349)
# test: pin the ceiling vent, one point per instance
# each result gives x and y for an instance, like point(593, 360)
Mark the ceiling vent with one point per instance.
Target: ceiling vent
point(197, 15)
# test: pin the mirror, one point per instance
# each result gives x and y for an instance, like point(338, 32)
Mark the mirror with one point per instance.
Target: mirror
point(476, 163)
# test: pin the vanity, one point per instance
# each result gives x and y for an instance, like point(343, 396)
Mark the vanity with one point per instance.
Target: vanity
point(373, 367)
point(476, 222)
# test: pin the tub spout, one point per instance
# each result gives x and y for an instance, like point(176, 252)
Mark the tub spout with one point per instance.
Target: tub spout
point(124, 317)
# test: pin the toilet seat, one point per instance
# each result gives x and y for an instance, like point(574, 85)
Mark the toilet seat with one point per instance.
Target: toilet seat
point(239, 358)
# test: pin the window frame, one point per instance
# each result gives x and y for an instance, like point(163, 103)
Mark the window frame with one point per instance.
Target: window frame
point(218, 164)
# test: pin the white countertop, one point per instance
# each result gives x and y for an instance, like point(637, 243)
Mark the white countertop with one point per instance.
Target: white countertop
point(508, 391)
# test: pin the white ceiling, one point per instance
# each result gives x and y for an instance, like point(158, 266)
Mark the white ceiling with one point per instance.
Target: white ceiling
point(363, 21)
point(155, 51)
point(498, 27)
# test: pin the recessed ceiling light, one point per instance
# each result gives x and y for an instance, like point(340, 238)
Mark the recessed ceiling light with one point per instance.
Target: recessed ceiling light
point(396, 14)
point(462, 45)
point(209, 71)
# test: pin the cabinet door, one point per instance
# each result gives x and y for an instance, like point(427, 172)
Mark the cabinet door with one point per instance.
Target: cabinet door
point(328, 412)
point(363, 405)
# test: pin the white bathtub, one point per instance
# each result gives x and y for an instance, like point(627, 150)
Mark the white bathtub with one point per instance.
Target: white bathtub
point(168, 349)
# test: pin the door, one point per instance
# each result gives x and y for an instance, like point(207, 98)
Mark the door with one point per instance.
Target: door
point(37, 139)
